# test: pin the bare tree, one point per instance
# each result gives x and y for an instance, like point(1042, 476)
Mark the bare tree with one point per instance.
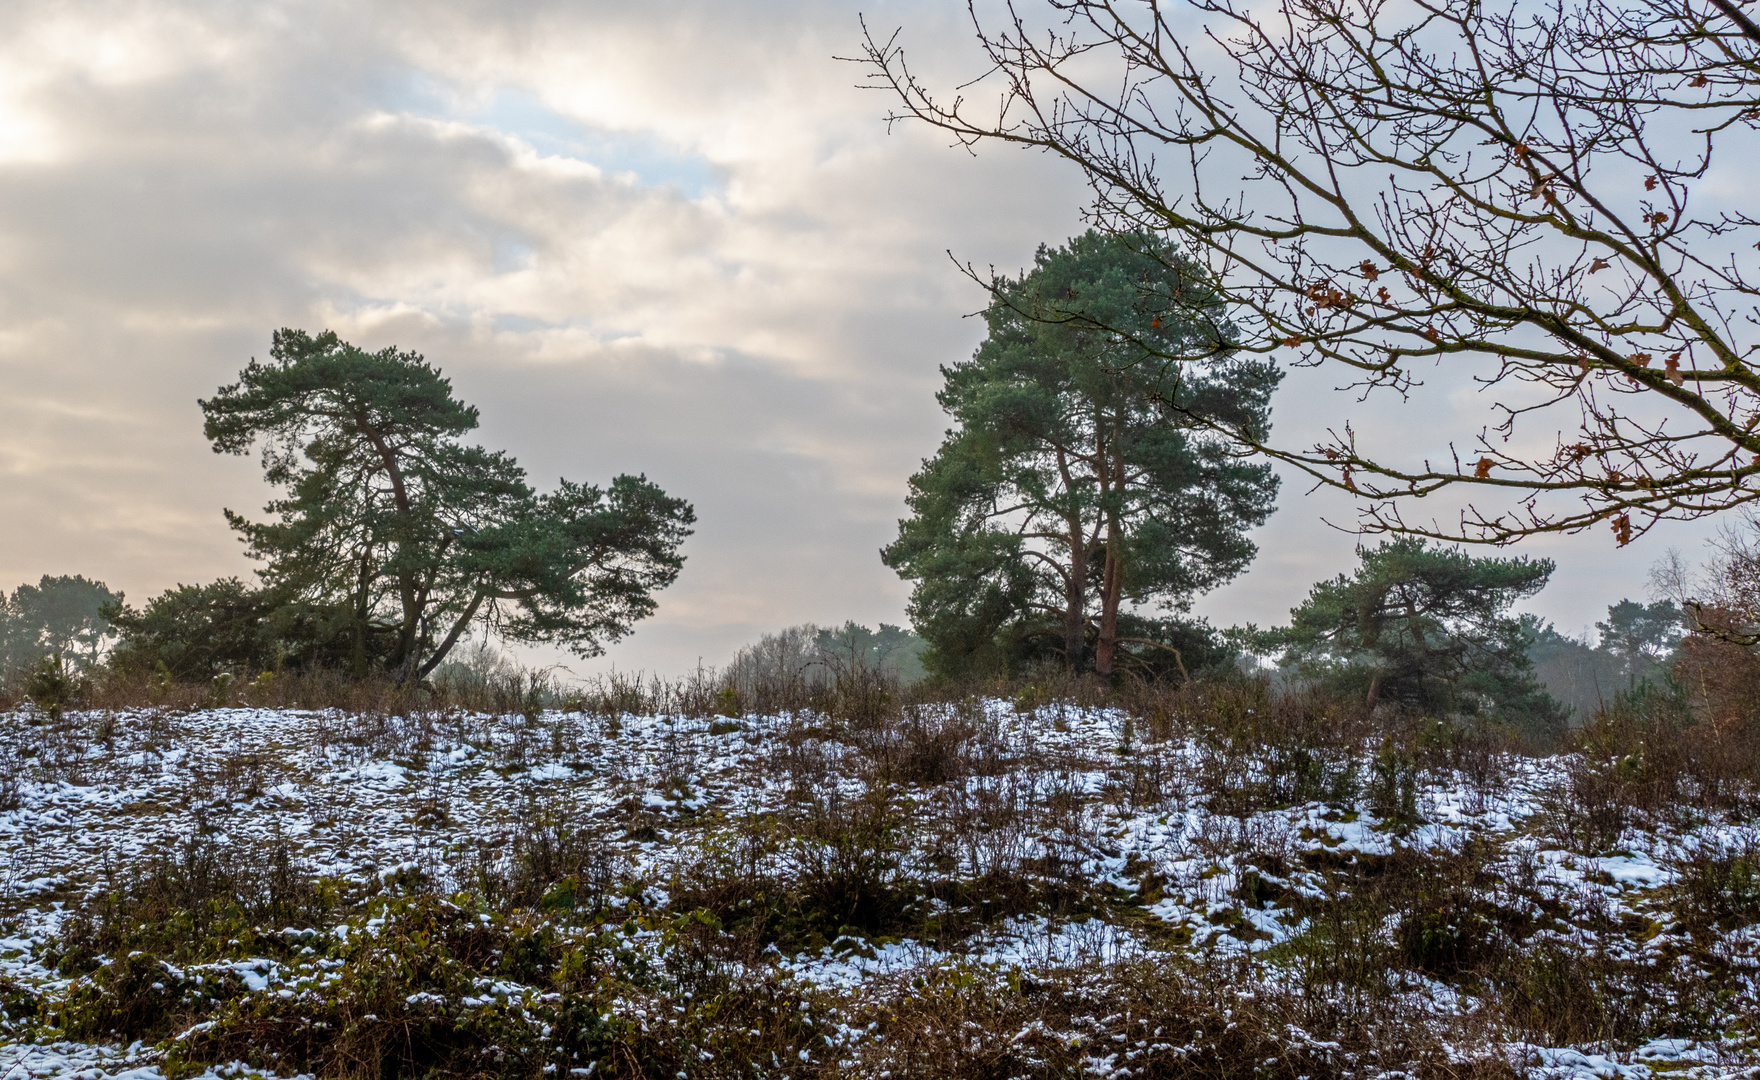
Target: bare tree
point(1521, 193)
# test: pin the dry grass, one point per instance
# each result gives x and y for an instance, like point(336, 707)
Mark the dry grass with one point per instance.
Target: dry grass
point(910, 814)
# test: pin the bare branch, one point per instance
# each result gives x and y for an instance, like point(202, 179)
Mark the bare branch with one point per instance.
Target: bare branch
point(1512, 193)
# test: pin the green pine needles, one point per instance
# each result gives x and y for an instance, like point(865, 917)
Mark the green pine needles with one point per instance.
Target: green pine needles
point(1430, 629)
point(391, 537)
point(1082, 478)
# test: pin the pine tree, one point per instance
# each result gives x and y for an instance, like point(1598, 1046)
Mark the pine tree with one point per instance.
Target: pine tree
point(1076, 482)
point(1641, 636)
point(406, 536)
point(59, 616)
point(1429, 628)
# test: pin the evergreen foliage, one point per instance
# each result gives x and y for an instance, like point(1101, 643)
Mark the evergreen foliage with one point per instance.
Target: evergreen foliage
point(1077, 481)
point(399, 536)
point(1641, 636)
point(1173, 647)
point(1429, 628)
point(195, 632)
point(890, 647)
point(60, 616)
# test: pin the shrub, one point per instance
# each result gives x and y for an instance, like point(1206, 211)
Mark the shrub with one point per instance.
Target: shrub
point(830, 869)
point(195, 632)
point(554, 862)
point(52, 687)
point(20, 1009)
point(202, 902)
point(1717, 887)
point(1640, 754)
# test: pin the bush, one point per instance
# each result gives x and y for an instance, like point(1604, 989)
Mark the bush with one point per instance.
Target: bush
point(52, 687)
point(202, 902)
point(1717, 887)
point(831, 869)
point(195, 632)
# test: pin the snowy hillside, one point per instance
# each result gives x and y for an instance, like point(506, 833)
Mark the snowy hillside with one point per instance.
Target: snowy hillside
point(965, 889)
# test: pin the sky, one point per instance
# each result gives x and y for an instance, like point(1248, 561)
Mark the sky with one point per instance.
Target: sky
point(670, 239)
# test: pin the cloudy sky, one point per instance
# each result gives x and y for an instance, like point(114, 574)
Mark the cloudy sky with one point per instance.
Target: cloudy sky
point(662, 238)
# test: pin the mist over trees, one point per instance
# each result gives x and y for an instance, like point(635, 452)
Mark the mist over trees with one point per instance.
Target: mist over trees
point(60, 616)
point(813, 657)
point(1636, 645)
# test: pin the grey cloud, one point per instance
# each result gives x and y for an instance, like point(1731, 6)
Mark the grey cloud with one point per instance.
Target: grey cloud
point(765, 345)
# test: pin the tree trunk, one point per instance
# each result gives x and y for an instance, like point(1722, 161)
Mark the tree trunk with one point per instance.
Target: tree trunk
point(362, 608)
point(404, 651)
point(1075, 629)
point(1111, 592)
point(451, 639)
point(1109, 462)
point(415, 609)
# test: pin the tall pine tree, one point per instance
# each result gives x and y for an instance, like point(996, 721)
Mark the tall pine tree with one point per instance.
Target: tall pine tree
point(1079, 481)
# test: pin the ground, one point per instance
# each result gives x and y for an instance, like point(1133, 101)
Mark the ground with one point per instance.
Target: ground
point(981, 887)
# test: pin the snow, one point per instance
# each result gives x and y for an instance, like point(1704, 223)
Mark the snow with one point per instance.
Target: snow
point(80, 1061)
point(360, 797)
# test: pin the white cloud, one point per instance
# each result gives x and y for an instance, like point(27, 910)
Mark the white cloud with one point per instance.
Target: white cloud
point(675, 241)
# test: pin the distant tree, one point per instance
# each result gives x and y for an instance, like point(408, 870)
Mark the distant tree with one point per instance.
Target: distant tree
point(1430, 629)
point(1577, 674)
point(58, 616)
point(890, 648)
point(811, 656)
point(1641, 636)
point(412, 535)
point(1637, 644)
point(1073, 486)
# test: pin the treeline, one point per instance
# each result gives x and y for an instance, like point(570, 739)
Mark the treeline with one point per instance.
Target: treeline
point(1090, 488)
point(1417, 629)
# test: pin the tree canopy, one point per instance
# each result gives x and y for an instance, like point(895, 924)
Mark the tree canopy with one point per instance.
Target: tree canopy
point(1428, 628)
point(59, 615)
point(1542, 199)
point(1641, 635)
point(1073, 485)
point(398, 536)
point(199, 631)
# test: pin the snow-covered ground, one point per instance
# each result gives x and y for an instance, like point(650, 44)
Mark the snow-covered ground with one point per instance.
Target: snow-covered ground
point(364, 798)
